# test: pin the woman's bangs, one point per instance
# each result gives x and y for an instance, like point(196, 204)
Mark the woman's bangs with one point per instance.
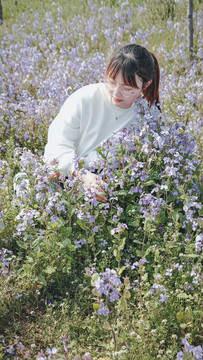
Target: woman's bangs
point(129, 79)
point(113, 70)
point(127, 69)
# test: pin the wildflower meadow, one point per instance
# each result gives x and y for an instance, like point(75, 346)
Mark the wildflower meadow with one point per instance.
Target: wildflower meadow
point(80, 279)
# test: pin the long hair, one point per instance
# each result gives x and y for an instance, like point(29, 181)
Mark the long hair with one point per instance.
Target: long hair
point(134, 60)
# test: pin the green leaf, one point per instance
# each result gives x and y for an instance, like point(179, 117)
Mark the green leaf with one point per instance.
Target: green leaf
point(49, 270)
point(40, 255)
point(72, 212)
point(95, 276)
point(107, 325)
point(90, 239)
point(122, 192)
point(71, 344)
point(179, 315)
point(147, 251)
point(96, 306)
point(101, 153)
point(119, 271)
point(130, 208)
point(29, 259)
point(115, 253)
point(149, 183)
point(94, 291)
point(134, 223)
point(81, 164)
point(123, 304)
point(37, 242)
point(161, 217)
point(182, 296)
point(42, 279)
point(21, 244)
point(139, 252)
point(184, 197)
point(122, 244)
point(66, 242)
point(93, 279)
point(69, 229)
point(198, 312)
point(82, 225)
point(126, 294)
point(190, 255)
point(200, 212)
point(54, 225)
point(137, 242)
point(145, 277)
point(183, 326)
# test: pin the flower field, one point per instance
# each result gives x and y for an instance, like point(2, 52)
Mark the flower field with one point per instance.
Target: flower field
point(83, 280)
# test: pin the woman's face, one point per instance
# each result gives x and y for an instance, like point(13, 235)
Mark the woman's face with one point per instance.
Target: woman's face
point(123, 95)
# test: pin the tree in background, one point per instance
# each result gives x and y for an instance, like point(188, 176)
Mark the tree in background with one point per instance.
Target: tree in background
point(190, 25)
point(1, 14)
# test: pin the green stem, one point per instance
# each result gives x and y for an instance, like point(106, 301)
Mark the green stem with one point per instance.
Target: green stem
point(140, 301)
point(114, 338)
point(145, 231)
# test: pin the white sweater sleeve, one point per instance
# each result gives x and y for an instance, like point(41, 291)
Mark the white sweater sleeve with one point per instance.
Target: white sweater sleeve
point(62, 135)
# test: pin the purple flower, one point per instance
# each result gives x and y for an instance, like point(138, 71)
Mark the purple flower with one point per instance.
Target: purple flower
point(80, 242)
point(51, 352)
point(198, 242)
point(169, 272)
point(21, 346)
point(114, 295)
point(106, 284)
point(121, 227)
point(103, 310)
point(151, 205)
point(114, 280)
point(104, 242)
point(11, 350)
point(138, 263)
point(95, 229)
point(163, 298)
point(91, 219)
point(159, 288)
point(195, 350)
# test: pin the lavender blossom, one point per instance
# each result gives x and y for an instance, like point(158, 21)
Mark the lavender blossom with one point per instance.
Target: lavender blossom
point(159, 289)
point(103, 310)
point(198, 242)
point(107, 284)
point(187, 348)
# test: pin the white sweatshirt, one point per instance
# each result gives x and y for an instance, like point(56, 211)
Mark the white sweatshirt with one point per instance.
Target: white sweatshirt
point(86, 119)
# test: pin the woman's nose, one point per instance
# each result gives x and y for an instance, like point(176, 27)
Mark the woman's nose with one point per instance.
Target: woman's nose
point(116, 90)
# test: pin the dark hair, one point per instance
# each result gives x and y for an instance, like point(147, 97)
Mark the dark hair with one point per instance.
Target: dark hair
point(135, 59)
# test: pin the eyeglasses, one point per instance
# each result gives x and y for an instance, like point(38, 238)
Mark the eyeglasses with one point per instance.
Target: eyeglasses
point(111, 86)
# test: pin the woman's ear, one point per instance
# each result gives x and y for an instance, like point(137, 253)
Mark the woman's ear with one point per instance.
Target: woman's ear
point(147, 84)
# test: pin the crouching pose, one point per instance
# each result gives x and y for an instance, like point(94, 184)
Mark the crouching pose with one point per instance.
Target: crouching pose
point(95, 112)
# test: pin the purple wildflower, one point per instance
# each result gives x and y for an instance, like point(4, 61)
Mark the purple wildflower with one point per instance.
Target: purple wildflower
point(103, 310)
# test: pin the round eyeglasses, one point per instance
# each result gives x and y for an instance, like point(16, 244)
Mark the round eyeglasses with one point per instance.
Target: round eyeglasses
point(111, 86)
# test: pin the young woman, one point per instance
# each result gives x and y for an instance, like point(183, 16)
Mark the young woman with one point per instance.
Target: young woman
point(95, 112)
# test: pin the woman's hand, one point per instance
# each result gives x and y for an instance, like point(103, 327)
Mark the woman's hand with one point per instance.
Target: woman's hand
point(91, 180)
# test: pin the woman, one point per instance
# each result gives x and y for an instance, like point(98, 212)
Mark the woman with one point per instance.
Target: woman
point(95, 112)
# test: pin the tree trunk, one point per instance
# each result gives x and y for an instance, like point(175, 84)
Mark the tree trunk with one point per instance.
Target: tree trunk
point(1, 14)
point(190, 25)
